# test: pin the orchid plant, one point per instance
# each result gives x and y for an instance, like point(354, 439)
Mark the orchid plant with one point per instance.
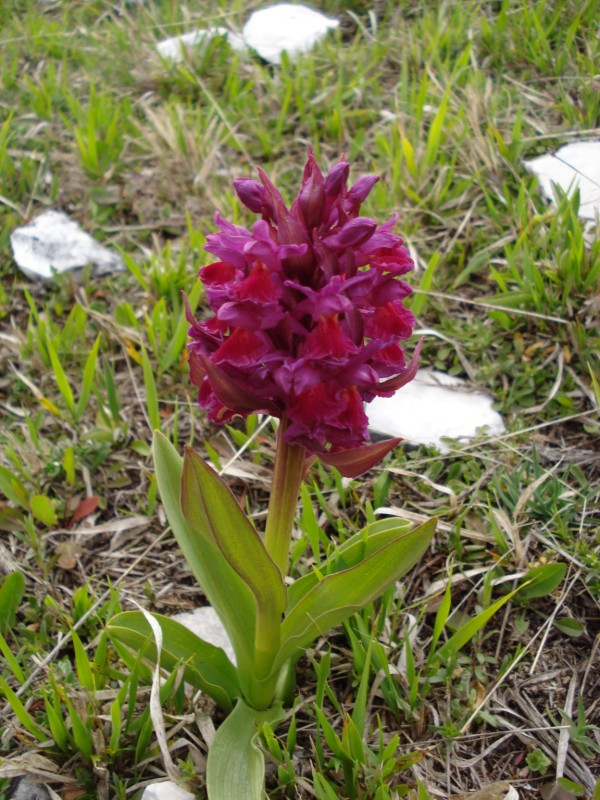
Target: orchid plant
point(308, 321)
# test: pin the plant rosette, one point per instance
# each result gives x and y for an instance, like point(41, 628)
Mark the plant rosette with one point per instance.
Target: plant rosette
point(307, 327)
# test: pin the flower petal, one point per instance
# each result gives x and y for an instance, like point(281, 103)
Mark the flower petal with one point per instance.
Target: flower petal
point(242, 348)
point(230, 393)
point(353, 233)
point(329, 340)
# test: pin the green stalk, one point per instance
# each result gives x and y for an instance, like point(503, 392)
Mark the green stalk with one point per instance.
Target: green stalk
point(288, 472)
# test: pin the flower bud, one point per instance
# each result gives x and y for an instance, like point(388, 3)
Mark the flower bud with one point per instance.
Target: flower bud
point(311, 198)
point(336, 178)
point(352, 233)
point(251, 193)
point(359, 191)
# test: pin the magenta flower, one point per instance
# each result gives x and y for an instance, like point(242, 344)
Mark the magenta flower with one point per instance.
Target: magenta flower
point(308, 313)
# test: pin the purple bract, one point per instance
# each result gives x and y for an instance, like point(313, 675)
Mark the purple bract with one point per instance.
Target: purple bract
point(308, 311)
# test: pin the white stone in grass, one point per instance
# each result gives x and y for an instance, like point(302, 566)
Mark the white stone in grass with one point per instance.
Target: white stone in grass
point(205, 623)
point(174, 49)
point(434, 407)
point(574, 166)
point(285, 27)
point(54, 243)
point(28, 789)
point(166, 790)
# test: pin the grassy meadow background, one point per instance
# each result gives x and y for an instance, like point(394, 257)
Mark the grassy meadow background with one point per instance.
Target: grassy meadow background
point(443, 100)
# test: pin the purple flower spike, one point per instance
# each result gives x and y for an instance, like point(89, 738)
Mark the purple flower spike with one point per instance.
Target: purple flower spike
point(308, 315)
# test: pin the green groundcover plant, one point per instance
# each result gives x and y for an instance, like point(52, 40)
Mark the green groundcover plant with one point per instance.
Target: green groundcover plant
point(307, 327)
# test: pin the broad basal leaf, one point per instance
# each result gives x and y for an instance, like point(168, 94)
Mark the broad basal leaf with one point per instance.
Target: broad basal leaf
point(236, 766)
point(351, 552)
point(209, 507)
point(225, 590)
point(340, 594)
point(206, 666)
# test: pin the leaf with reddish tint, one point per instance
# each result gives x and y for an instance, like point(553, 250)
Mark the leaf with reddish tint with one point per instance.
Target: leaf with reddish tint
point(352, 463)
point(85, 508)
point(210, 508)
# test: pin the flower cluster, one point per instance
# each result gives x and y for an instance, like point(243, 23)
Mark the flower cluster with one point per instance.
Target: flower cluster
point(308, 311)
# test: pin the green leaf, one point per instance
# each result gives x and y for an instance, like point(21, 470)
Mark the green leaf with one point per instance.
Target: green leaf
point(42, 509)
point(538, 761)
point(350, 553)
point(11, 660)
point(470, 629)
point(576, 789)
point(209, 507)
point(82, 664)
point(57, 726)
point(434, 137)
point(12, 488)
point(151, 395)
point(88, 379)
point(541, 581)
point(570, 627)
point(441, 618)
point(359, 712)
point(340, 594)
point(236, 765)
point(333, 740)
point(115, 720)
point(206, 666)
point(176, 344)
point(61, 379)
point(323, 788)
point(81, 733)
point(24, 717)
point(426, 280)
point(225, 590)
point(68, 463)
point(11, 594)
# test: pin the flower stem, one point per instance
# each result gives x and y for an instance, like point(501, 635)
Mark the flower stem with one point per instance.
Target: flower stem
point(287, 477)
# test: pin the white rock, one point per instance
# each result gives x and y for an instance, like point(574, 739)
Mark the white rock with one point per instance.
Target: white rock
point(28, 789)
point(166, 790)
point(174, 49)
point(285, 27)
point(55, 243)
point(205, 623)
point(574, 166)
point(431, 407)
